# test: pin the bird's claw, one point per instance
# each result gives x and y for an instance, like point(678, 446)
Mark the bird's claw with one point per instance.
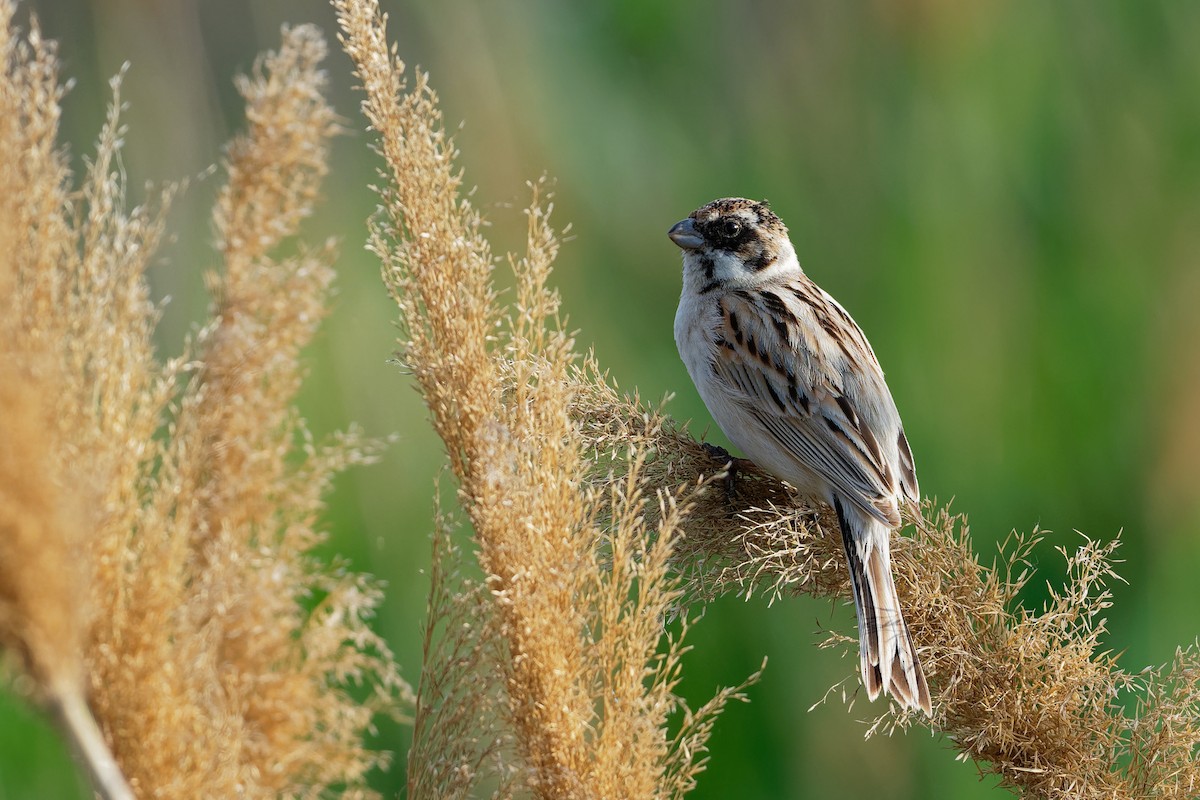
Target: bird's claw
point(716, 452)
point(728, 463)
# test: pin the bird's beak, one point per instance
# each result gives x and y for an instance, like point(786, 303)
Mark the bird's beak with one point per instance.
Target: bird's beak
point(685, 235)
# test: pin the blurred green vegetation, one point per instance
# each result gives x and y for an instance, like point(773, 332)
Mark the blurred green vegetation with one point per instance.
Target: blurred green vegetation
point(1005, 195)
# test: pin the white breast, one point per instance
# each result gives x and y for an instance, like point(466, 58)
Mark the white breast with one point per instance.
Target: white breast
point(696, 325)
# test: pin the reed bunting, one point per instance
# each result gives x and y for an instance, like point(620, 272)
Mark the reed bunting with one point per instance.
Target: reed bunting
point(793, 383)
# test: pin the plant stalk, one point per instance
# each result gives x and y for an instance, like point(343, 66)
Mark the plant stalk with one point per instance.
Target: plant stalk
point(71, 711)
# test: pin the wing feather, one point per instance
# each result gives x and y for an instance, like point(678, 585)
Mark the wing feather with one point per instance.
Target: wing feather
point(908, 471)
point(799, 367)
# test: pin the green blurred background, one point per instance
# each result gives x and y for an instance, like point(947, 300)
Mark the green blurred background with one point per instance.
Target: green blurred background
point(1005, 195)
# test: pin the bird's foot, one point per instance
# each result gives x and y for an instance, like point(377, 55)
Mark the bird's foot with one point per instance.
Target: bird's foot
point(728, 463)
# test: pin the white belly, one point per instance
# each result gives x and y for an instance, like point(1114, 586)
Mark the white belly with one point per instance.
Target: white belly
point(696, 325)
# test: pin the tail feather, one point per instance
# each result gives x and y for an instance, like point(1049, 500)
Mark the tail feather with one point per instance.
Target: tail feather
point(888, 658)
point(864, 610)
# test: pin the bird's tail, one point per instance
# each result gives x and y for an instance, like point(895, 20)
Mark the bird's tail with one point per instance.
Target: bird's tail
point(889, 659)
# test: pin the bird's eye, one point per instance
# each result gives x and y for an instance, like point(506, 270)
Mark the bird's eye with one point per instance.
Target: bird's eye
point(730, 228)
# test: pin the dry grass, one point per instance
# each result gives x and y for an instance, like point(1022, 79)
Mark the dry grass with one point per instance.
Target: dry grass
point(584, 688)
point(216, 653)
point(1031, 697)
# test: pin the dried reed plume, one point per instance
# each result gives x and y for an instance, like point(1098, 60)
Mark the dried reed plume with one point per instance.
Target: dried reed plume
point(157, 520)
point(583, 689)
point(552, 464)
point(1031, 697)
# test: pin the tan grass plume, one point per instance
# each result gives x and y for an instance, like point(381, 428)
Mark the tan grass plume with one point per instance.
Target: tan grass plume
point(159, 518)
point(1033, 697)
point(578, 601)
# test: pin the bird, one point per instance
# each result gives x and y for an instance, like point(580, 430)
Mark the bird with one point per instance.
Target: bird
point(791, 380)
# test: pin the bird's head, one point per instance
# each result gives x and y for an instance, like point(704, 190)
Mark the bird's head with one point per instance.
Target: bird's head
point(733, 243)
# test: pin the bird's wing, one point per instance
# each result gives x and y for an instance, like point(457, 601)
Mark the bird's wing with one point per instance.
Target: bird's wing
point(803, 369)
point(908, 472)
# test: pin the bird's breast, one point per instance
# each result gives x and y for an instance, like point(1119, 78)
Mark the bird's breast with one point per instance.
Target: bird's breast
point(697, 323)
